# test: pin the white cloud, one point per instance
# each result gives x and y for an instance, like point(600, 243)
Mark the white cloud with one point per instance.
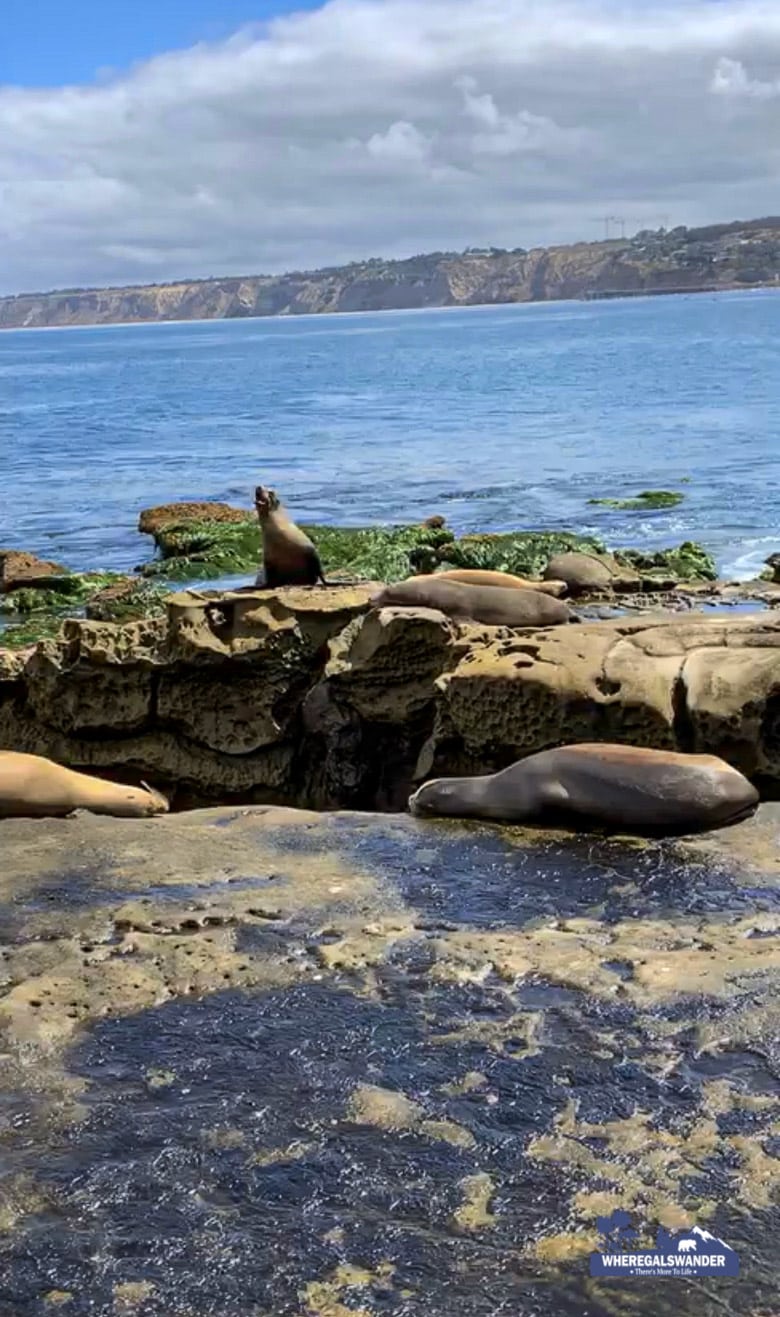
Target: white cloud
point(402, 141)
point(394, 126)
point(731, 79)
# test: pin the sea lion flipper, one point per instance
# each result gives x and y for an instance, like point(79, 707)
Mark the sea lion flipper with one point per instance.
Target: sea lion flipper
point(553, 795)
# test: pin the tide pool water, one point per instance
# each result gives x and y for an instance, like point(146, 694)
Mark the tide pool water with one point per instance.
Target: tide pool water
point(495, 417)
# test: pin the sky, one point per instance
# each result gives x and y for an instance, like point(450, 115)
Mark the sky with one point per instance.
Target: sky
point(145, 140)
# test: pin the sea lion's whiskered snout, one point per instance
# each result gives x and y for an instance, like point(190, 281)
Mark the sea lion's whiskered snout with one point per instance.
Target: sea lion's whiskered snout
point(431, 798)
point(158, 804)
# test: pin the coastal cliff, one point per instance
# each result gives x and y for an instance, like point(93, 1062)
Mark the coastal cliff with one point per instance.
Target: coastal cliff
point(725, 256)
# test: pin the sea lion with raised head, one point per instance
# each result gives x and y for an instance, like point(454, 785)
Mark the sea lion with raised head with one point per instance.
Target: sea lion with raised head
point(489, 604)
point(476, 576)
point(34, 787)
point(289, 556)
point(623, 787)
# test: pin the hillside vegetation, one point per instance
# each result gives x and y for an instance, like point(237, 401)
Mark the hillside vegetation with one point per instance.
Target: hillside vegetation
point(720, 256)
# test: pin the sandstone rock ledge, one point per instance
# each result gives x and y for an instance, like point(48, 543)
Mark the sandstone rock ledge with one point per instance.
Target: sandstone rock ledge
point(306, 697)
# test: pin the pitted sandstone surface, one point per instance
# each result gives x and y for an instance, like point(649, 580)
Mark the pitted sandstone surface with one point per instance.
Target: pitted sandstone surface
point(263, 1061)
point(308, 697)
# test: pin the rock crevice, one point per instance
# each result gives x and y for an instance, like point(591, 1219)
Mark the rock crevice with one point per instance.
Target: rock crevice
point(307, 696)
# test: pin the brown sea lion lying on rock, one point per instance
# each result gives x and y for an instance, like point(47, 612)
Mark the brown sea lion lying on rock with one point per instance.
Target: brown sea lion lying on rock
point(623, 787)
point(591, 573)
point(504, 580)
point(34, 787)
point(492, 605)
point(289, 556)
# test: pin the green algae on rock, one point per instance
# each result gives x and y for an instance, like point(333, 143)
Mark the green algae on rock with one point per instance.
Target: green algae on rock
point(200, 546)
point(127, 599)
point(68, 590)
point(33, 614)
point(647, 501)
point(385, 553)
point(35, 627)
point(522, 553)
point(201, 549)
point(688, 561)
point(196, 549)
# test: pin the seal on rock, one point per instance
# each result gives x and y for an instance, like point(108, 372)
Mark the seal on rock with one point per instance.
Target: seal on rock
point(489, 604)
point(624, 787)
point(34, 787)
point(591, 573)
point(289, 556)
point(476, 576)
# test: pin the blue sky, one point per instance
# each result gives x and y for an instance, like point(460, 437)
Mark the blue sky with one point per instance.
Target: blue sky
point(45, 43)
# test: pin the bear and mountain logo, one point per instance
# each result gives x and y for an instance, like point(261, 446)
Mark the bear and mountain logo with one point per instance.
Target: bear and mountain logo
point(686, 1253)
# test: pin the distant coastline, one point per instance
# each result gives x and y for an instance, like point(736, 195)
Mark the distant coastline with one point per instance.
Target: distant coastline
point(718, 258)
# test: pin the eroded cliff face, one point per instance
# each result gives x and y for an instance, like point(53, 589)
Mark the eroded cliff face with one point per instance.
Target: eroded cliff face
point(309, 697)
point(725, 257)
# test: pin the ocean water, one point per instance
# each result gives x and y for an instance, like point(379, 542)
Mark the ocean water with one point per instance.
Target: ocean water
point(496, 418)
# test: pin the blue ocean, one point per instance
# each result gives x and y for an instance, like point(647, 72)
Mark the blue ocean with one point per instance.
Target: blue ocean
point(495, 417)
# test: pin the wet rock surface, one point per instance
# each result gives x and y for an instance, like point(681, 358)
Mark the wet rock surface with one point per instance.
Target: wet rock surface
point(262, 1061)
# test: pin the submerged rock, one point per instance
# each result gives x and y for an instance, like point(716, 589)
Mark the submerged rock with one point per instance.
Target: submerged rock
point(648, 501)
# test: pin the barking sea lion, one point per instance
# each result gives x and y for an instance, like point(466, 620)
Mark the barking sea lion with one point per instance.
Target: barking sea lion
point(289, 556)
point(621, 786)
point(34, 787)
point(476, 576)
point(489, 604)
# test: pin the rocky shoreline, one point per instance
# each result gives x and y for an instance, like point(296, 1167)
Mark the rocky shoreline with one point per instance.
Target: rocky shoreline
point(308, 697)
point(330, 1059)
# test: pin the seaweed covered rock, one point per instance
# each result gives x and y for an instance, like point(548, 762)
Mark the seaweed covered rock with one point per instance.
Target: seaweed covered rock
point(688, 561)
point(202, 547)
point(521, 553)
point(126, 600)
point(649, 500)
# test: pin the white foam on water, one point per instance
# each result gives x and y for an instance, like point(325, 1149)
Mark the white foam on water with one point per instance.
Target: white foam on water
point(749, 564)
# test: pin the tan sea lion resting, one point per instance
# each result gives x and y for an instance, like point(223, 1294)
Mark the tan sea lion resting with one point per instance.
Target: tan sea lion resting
point(489, 604)
point(620, 786)
point(34, 787)
point(289, 556)
point(475, 576)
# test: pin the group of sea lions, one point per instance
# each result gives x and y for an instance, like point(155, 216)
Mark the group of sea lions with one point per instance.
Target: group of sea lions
point(618, 786)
